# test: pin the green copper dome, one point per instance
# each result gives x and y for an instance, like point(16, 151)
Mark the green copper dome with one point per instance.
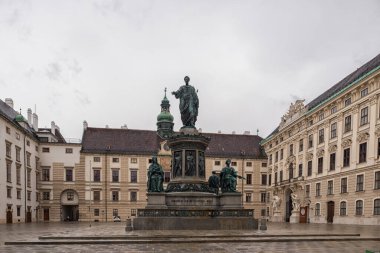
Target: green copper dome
point(165, 116)
point(20, 118)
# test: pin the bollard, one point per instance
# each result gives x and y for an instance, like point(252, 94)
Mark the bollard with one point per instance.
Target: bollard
point(263, 224)
point(129, 227)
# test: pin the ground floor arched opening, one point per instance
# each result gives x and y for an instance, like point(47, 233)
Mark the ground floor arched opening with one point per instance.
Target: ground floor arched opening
point(288, 205)
point(69, 205)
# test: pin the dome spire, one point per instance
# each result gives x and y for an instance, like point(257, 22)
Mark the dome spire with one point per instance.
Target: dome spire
point(165, 119)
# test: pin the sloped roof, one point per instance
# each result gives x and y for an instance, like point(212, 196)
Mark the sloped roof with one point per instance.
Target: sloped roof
point(131, 141)
point(9, 113)
point(361, 72)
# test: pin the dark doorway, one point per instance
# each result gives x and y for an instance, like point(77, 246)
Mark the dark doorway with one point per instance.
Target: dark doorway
point(330, 211)
point(289, 205)
point(70, 212)
point(28, 216)
point(46, 214)
point(303, 214)
point(9, 216)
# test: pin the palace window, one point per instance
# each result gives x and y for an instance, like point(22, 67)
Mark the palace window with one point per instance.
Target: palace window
point(29, 177)
point(343, 185)
point(320, 165)
point(333, 130)
point(8, 130)
point(115, 175)
point(249, 178)
point(96, 175)
point(330, 187)
point(45, 150)
point(96, 195)
point(263, 197)
point(364, 92)
point(69, 150)
point(264, 165)
point(9, 192)
point(364, 116)
point(133, 160)
point(275, 177)
point(18, 193)
point(233, 164)
point(96, 212)
point(347, 124)
point(249, 164)
point(347, 102)
point(377, 180)
point(70, 196)
point(18, 154)
point(18, 174)
point(332, 161)
point(310, 141)
point(321, 136)
point(333, 109)
point(343, 208)
point(248, 197)
point(318, 189)
point(8, 148)
point(28, 159)
point(300, 170)
point(276, 157)
point(317, 209)
point(346, 157)
point(281, 176)
point(307, 191)
point(115, 212)
point(133, 176)
point(363, 152)
point(263, 179)
point(133, 212)
point(376, 207)
point(9, 171)
point(300, 146)
point(97, 159)
point(133, 196)
point(359, 182)
point(46, 195)
point(281, 154)
point(309, 168)
point(378, 147)
point(359, 207)
point(115, 159)
point(291, 149)
point(69, 174)
point(45, 174)
point(115, 195)
point(217, 163)
point(321, 116)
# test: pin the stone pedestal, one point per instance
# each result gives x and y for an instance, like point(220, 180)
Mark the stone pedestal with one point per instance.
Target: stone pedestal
point(277, 217)
point(295, 217)
point(231, 200)
point(156, 200)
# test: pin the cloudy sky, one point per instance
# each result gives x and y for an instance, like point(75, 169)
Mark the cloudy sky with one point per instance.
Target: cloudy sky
point(108, 61)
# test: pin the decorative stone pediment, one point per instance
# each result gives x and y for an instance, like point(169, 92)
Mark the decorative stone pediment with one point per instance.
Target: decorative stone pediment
point(362, 137)
point(309, 156)
point(320, 152)
point(373, 100)
point(275, 168)
point(291, 159)
point(300, 157)
point(294, 112)
point(346, 143)
point(332, 148)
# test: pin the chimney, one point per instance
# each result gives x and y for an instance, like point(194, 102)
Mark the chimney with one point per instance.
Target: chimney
point(30, 116)
point(233, 132)
point(247, 132)
point(35, 122)
point(85, 125)
point(107, 126)
point(53, 127)
point(124, 126)
point(200, 130)
point(219, 131)
point(9, 102)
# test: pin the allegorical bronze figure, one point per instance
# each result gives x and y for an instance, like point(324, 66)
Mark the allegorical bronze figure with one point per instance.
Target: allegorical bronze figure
point(188, 103)
point(155, 177)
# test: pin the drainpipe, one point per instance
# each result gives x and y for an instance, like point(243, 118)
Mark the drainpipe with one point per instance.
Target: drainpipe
point(25, 193)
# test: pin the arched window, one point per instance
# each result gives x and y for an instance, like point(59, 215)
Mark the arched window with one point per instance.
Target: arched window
point(317, 209)
point(359, 207)
point(343, 208)
point(376, 207)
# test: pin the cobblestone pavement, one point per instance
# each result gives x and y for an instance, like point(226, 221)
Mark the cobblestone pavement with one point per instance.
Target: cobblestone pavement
point(31, 232)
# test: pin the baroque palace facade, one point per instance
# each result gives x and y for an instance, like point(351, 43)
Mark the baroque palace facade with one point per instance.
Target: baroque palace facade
point(104, 177)
point(324, 158)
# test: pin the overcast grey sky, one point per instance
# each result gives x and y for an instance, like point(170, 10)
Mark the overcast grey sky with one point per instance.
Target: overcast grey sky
point(108, 61)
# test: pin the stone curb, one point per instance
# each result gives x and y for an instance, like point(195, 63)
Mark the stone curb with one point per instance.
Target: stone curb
point(137, 237)
point(258, 240)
